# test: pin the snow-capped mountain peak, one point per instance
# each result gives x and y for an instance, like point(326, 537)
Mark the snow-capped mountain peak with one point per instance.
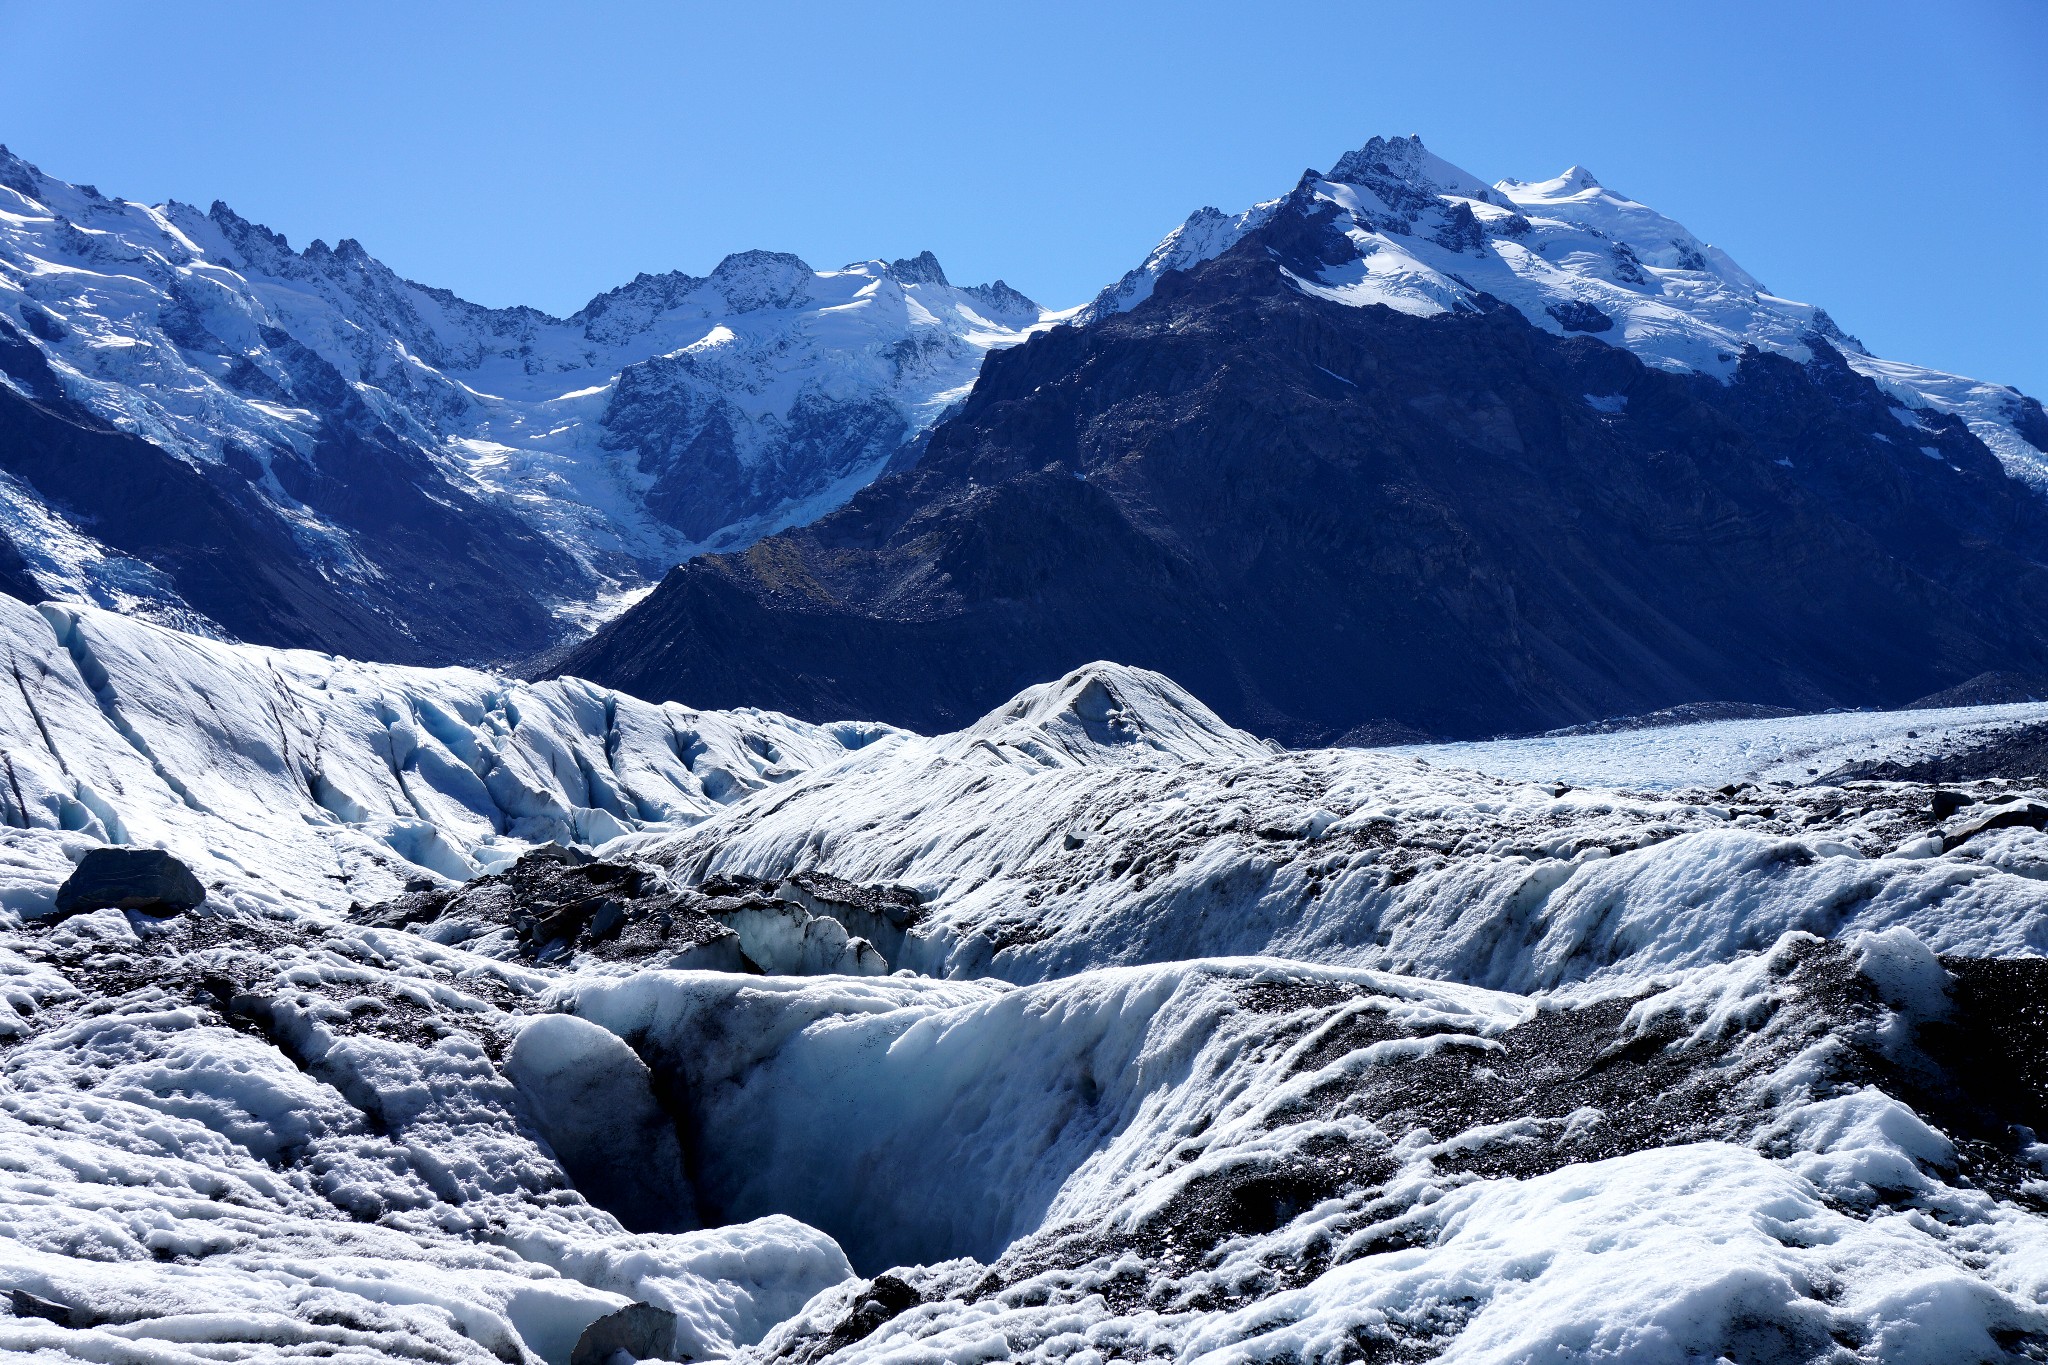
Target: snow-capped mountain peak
point(1416, 233)
point(922, 268)
point(751, 280)
point(1575, 180)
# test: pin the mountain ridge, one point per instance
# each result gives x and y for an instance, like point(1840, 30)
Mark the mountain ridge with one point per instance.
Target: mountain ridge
point(672, 412)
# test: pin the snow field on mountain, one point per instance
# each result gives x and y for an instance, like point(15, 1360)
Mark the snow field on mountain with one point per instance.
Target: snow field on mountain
point(679, 414)
point(183, 327)
point(1570, 255)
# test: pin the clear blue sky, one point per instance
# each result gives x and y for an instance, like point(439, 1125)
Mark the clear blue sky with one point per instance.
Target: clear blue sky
point(1886, 160)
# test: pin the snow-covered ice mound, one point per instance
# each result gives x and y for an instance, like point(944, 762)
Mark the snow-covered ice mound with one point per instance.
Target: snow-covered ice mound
point(304, 779)
point(1038, 850)
point(1107, 713)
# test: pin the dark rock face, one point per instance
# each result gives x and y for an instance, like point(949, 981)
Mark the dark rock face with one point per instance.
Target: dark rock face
point(16, 580)
point(1581, 317)
point(454, 572)
point(2031, 421)
point(1317, 516)
point(145, 879)
point(1986, 689)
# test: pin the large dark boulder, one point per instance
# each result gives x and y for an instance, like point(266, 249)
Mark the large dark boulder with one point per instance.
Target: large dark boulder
point(642, 1330)
point(2007, 815)
point(145, 879)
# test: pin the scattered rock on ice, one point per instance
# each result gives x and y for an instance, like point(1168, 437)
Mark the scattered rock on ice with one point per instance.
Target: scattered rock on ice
point(561, 908)
point(556, 904)
point(27, 1305)
point(1980, 820)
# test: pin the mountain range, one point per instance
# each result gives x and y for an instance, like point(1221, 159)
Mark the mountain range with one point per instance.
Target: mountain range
point(1394, 453)
point(358, 1009)
point(1401, 452)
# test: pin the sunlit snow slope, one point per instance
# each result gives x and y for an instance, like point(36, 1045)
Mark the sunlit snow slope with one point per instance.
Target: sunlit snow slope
point(311, 781)
point(1111, 818)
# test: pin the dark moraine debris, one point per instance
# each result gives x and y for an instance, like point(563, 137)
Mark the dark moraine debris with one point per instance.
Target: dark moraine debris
point(1574, 1082)
point(148, 880)
point(884, 1299)
point(1987, 816)
point(556, 902)
point(1943, 804)
point(2016, 752)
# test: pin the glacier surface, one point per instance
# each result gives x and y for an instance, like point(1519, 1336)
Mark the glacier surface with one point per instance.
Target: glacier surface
point(1617, 1047)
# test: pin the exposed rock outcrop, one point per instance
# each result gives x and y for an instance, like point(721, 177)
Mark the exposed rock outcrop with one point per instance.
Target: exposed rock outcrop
point(148, 880)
